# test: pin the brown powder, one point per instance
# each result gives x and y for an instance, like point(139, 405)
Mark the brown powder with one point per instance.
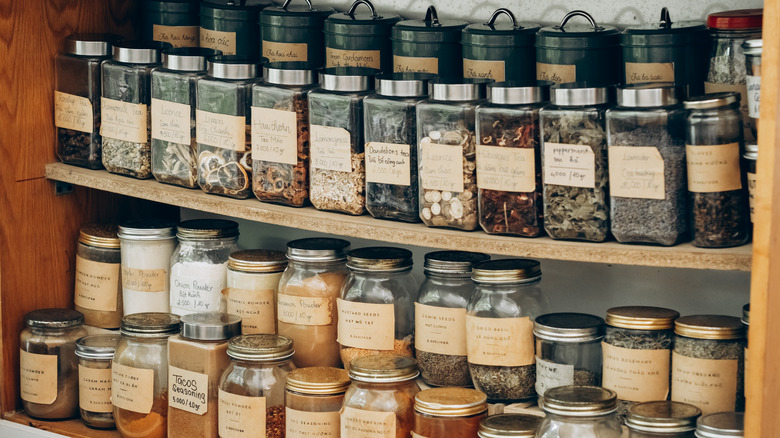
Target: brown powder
point(152, 425)
point(400, 348)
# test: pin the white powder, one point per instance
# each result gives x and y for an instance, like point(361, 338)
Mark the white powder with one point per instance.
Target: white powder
point(145, 275)
point(197, 287)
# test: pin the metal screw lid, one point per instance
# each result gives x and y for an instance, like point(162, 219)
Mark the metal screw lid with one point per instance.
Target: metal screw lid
point(257, 260)
point(569, 327)
point(579, 401)
point(648, 95)
point(709, 327)
point(753, 47)
point(662, 417)
point(383, 368)
point(260, 347)
point(317, 249)
point(712, 100)
point(509, 426)
point(517, 93)
point(737, 19)
point(147, 229)
point(720, 425)
point(91, 44)
point(139, 52)
point(450, 402)
point(318, 380)
point(234, 10)
point(746, 314)
point(210, 326)
point(577, 94)
point(458, 90)
point(150, 325)
point(53, 318)
point(751, 147)
point(642, 317)
point(187, 58)
point(99, 235)
point(505, 271)
point(428, 30)
point(348, 79)
point(453, 262)
point(234, 67)
point(379, 258)
point(289, 73)
point(98, 347)
point(403, 84)
point(207, 229)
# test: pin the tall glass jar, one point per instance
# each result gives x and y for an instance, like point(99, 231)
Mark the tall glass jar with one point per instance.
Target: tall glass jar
point(440, 317)
point(499, 328)
point(509, 426)
point(721, 425)
point(509, 171)
point(199, 265)
point(376, 306)
point(252, 284)
point(251, 391)
point(449, 412)
point(139, 375)
point(48, 366)
point(98, 289)
point(753, 50)
point(308, 291)
point(713, 139)
point(662, 419)
point(579, 411)
point(96, 354)
point(313, 399)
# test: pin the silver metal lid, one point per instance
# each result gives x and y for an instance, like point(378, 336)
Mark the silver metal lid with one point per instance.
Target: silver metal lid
point(206, 229)
point(150, 325)
point(648, 95)
point(455, 263)
point(750, 156)
point(210, 326)
point(53, 318)
point(261, 347)
point(753, 47)
point(289, 73)
point(579, 401)
point(569, 327)
point(403, 84)
point(139, 52)
point(383, 368)
point(317, 249)
point(509, 426)
point(458, 90)
point(348, 79)
point(721, 424)
point(712, 100)
point(233, 67)
point(507, 271)
point(662, 417)
point(746, 314)
point(147, 229)
point(751, 148)
point(91, 44)
point(517, 93)
point(100, 347)
point(575, 94)
point(187, 58)
point(379, 258)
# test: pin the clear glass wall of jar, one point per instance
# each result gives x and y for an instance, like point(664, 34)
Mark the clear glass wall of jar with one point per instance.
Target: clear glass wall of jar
point(662, 419)
point(753, 50)
point(95, 354)
point(579, 411)
point(449, 412)
point(252, 284)
point(509, 426)
point(750, 160)
point(313, 399)
point(721, 425)
point(98, 289)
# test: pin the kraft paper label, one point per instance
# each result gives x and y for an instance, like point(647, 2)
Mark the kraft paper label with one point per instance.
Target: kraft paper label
point(304, 310)
point(442, 167)
point(274, 135)
point(171, 122)
point(188, 391)
point(558, 73)
point(197, 287)
point(97, 284)
point(506, 169)
point(73, 112)
point(388, 163)
point(753, 95)
point(636, 375)
point(361, 423)
point(352, 58)
point(331, 148)
point(484, 69)
point(709, 384)
point(751, 181)
point(221, 130)
point(214, 39)
point(302, 424)
point(550, 375)
point(636, 172)
point(641, 72)
point(178, 36)
point(241, 416)
point(571, 165)
point(144, 280)
point(123, 121)
point(364, 325)
point(713, 168)
point(95, 389)
point(440, 330)
point(285, 52)
point(412, 64)
point(709, 87)
point(505, 342)
point(132, 388)
point(38, 377)
point(255, 307)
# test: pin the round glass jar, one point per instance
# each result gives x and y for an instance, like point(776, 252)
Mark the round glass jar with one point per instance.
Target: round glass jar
point(579, 411)
point(753, 50)
point(428, 46)
point(509, 426)
point(251, 391)
point(440, 317)
point(721, 425)
point(568, 350)
point(449, 412)
point(252, 284)
point(657, 419)
point(98, 288)
point(232, 27)
point(306, 302)
point(95, 354)
point(48, 366)
point(313, 399)
point(499, 328)
point(139, 374)
point(199, 265)
point(171, 21)
point(750, 160)
point(293, 33)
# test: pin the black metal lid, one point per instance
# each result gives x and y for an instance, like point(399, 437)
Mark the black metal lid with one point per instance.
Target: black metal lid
point(428, 30)
point(569, 327)
point(353, 23)
point(288, 15)
point(577, 36)
point(171, 6)
point(241, 10)
point(205, 229)
point(53, 318)
point(379, 258)
point(453, 262)
point(492, 34)
point(665, 32)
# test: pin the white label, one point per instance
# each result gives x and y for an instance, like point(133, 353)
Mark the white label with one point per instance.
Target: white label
point(73, 112)
point(551, 374)
point(171, 122)
point(221, 130)
point(442, 167)
point(240, 416)
point(753, 94)
point(304, 424)
point(388, 163)
point(197, 287)
point(132, 388)
point(570, 165)
point(331, 148)
point(188, 390)
point(274, 136)
point(506, 169)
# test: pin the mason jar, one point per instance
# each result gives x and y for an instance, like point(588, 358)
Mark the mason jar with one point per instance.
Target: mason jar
point(440, 411)
point(662, 419)
point(252, 283)
point(429, 45)
point(579, 411)
point(721, 425)
point(313, 399)
point(171, 21)
point(96, 354)
point(293, 33)
point(753, 50)
point(232, 27)
point(98, 288)
point(509, 426)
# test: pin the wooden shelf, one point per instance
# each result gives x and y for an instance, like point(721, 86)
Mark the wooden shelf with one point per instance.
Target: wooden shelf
point(72, 428)
point(680, 256)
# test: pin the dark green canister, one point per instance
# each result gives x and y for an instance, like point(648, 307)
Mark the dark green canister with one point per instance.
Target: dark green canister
point(173, 21)
point(359, 39)
point(294, 33)
point(666, 52)
point(585, 53)
point(503, 52)
point(428, 46)
point(232, 26)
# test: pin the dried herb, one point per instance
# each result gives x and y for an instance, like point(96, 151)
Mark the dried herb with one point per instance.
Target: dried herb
point(127, 157)
point(444, 369)
point(505, 383)
point(731, 349)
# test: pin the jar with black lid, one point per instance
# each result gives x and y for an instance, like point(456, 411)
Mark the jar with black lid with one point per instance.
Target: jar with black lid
point(753, 50)
point(313, 398)
point(509, 426)
point(171, 21)
point(662, 419)
point(449, 412)
point(232, 27)
point(98, 288)
point(293, 33)
point(579, 411)
point(721, 425)
point(96, 354)
point(428, 46)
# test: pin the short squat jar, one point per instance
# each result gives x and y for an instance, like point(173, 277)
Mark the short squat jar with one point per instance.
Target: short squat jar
point(579, 411)
point(721, 425)
point(95, 354)
point(252, 284)
point(662, 419)
point(439, 412)
point(430, 45)
point(314, 396)
point(171, 21)
point(98, 288)
point(509, 426)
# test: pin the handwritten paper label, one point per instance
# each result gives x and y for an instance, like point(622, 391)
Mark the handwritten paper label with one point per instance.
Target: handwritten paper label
point(256, 308)
point(713, 168)
point(361, 423)
point(304, 310)
point(144, 280)
point(38, 377)
point(221, 130)
point(132, 388)
point(178, 36)
point(412, 64)
point(214, 39)
point(505, 342)
point(95, 389)
point(331, 148)
point(123, 121)
point(550, 375)
point(197, 287)
point(97, 284)
point(442, 167)
point(440, 330)
point(473, 68)
point(304, 424)
point(636, 172)
point(240, 416)
point(709, 87)
point(753, 95)
point(751, 182)
point(73, 112)
point(506, 169)
point(274, 135)
point(388, 163)
point(285, 52)
point(171, 122)
point(571, 165)
point(636, 375)
point(188, 391)
point(365, 325)
point(558, 73)
point(641, 72)
point(352, 58)
point(709, 384)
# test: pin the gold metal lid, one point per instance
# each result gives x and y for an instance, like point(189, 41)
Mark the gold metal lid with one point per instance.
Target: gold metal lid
point(379, 258)
point(206, 229)
point(383, 368)
point(257, 260)
point(710, 327)
point(509, 426)
point(99, 235)
point(507, 271)
point(579, 401)
point(450, 402)
point(318, 380)
point(260, 347)
point(662, 417)
point(150, 325)
point(642, 317)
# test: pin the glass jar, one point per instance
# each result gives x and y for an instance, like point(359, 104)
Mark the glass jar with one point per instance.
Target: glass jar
point(98, 288)
point(95, 354)
point(199, 265)
point(223, 126)
point(337, 166)
point(306, 302)
point(380, 400)
point(753, 50)
point(125, 117)
point(376, 305)
point(509, 171)
point(713, 139)
point(646, 156)
point(139, 375)
point(499, 328)
point(252, 284)
point(293, 33)
point(449, 412)
point(174, 149)
point(579, 411)
point(430, 45)
point(637, 351)
point(48, 366)
point(390, 126)
point(746, 323)
point(509, 426)
point(440, 317)
point(574, 163)
point(251, 391)
point(196, 359)
point(280, 133)
point(313, 399)
point(721, 425)
point(708, 368)
point(232, 27)
point(171, 21)
point(77, 98)
point(662, 419)
point(750, 160)
point(568, 350)
point(146, 246)
point(446, 142)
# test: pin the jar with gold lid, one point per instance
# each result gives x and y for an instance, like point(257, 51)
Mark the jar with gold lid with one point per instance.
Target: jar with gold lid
point(252, 284)
point(509, 426)
point(95, 354)
point(98, 293)
point(449, 412)
point(579, 411)
point(708, 363)
point(657, 419)
point(312, 400)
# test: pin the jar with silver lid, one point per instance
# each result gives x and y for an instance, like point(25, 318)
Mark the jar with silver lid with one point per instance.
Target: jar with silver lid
point(658, 419)
point(252, 284)
point(753, 50)
point(96, 353)
point(98, 288)
point(721, 425)
point(750, 160)
point(579, 411)
point(509, 426)
point(438, 412)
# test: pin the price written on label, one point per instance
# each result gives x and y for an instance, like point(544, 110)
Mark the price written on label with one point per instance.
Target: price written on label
point(569, 165)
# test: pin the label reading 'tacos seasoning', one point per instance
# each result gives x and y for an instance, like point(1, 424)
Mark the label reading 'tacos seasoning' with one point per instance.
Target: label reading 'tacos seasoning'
point(440, 330)
point(171, 122)
point(643, 72)
point(178, 36)
point(550, 375)
point(506, 169)
point(571, 165)
point(388, 163)
point(221, 130)
point(636, 172)
point(274, 136)
point(442, 167)
point(305, 310)
point(367, 424)
point(636, 375)
point(144, 280)
point(505, 342)
point(558, 73)
point(132, 388)
point(255, 307)
point(412, 64)
point(352, 58)
point(214, 39)
point(365, 325)
point(123, 120)
point(95, 389)
point(38, 377)
point(331, 148)
point(73, 112)
point(473, 68)
point(303, 424)
point(188, 390)
point(97, 284)
point(713, 168)
point(285, 52)
point(709, 384)
point(241, 416)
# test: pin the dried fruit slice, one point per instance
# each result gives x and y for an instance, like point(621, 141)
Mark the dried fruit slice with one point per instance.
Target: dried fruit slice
point(233, 177)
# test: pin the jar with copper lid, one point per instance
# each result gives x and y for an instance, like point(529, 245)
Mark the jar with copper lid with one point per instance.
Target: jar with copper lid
point(96, 353)
point(658, 419)
point(579, 411)
point(449, 412)
point(312, 400)
point(252, 284)
point(509, 426)
point(381, 397)
point(721, 425)
point(708, 363)
point(98, 290)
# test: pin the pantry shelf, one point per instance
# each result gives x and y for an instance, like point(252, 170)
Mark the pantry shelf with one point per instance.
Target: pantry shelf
point(71, 428)
point(680, 256)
